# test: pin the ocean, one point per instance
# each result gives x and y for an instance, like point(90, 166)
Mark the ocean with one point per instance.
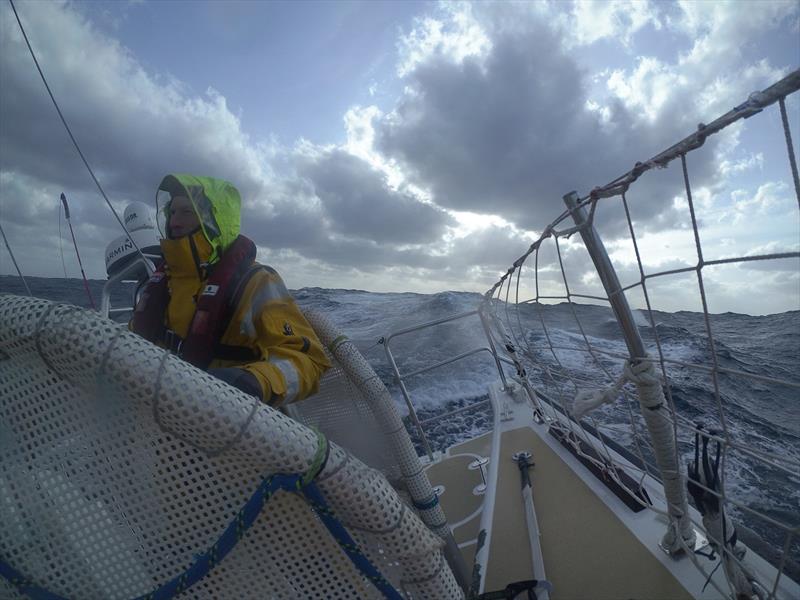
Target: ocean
point(763, 416)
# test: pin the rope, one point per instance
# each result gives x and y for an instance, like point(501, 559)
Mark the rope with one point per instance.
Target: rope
point(14, 260)
point(24, 585)
point(72, 137)
point(756, 102)
point(301, 484)
point(705, 486)
point(513, 590)
point(642, 373)
point(320, 458)
point(656, 402)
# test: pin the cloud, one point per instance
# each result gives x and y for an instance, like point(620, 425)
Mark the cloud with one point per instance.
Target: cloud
point(510, 124)
point(773, 197)
point(594, 20)
point(496, 115)
point(455, 36)
point(754, 161)
point(506, 131)
point(25, 201)
point(357, 202)
point(134, 126)
point(715, 69)
point(790, 265)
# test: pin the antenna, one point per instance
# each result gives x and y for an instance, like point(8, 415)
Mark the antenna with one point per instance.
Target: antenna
point(74, 243)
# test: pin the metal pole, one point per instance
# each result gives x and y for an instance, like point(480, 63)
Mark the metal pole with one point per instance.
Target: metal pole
point(619, 303)
point(141, 263)
point(522, 459)
point(410, 406)
point(488, 333)
point(656, 416)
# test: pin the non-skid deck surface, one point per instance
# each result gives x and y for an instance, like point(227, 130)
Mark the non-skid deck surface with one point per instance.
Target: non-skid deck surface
point(588, 552)
point(458, 501)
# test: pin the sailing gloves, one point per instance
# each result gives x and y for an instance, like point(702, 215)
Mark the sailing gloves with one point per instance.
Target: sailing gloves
point(239, 378)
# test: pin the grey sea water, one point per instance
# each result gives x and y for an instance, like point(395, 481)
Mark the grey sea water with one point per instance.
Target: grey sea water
point(762, 415)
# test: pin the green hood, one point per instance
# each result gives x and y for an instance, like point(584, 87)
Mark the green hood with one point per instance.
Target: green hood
point(217, 204)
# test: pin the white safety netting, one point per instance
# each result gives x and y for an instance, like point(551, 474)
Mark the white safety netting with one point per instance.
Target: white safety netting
point(571, 369)
point(120, 463)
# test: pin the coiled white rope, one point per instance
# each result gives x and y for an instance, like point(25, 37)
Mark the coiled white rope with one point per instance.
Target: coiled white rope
point(651, 398)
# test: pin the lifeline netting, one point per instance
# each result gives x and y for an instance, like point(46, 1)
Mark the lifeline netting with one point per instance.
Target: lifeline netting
point(553, 356)
point(120, 464)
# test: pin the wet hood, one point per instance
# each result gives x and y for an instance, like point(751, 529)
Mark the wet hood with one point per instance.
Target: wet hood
point(217, 204)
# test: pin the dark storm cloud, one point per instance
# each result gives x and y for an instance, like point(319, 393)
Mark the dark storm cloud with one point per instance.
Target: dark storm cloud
point(134, 127)
point(507, 133)
point(357, 202)
point(511, 133)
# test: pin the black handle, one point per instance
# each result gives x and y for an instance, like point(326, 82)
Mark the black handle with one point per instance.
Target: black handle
point(64, 202)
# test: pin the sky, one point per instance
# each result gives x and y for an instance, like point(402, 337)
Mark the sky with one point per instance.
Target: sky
point(412, 146)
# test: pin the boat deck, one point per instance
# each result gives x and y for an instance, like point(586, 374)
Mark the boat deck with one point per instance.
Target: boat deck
point(588, 551)
point(462, 507)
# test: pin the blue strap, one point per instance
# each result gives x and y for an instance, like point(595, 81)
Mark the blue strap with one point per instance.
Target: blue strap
point(426, 505)
point(244, 519)
point(226, 542)
point(317, 501)
point(23, 585)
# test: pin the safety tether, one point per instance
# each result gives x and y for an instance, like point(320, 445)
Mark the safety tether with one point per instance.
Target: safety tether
point(298, 483)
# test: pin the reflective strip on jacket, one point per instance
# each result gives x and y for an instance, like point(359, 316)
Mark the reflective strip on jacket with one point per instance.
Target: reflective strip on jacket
point(269, 321)
point(266, 318)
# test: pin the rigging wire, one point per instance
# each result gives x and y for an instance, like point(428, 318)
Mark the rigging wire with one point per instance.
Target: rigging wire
point(74, 243)
point(14, 260)
point(72, 137)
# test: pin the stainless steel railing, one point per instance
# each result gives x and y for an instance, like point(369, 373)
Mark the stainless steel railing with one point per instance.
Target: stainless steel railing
point(142, 265)
point(402, 377)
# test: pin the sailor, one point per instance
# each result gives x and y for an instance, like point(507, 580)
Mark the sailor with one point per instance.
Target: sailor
point(215, 307)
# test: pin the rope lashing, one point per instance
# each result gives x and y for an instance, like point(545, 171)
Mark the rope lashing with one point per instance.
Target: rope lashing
point(337, 342)
point(302, 484)
point(320, 458)
point(426, 505)
point(642, 373)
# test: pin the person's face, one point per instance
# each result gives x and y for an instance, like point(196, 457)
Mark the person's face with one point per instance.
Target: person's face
point(182, 218)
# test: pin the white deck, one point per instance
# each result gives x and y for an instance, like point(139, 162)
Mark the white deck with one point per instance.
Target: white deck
point(594, 546)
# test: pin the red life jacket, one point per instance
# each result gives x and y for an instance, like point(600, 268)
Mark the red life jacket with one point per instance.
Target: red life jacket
point(215, 306)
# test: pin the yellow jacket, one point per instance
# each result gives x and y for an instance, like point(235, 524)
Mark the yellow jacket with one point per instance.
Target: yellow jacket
point(266, 319)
